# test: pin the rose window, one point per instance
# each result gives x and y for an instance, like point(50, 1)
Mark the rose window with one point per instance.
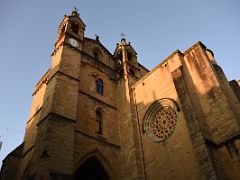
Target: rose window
point(164, 122)
point(160, 120)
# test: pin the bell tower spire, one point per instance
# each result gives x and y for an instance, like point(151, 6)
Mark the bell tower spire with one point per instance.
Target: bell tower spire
point(128, 74)
point(128, 65)
point(71, 30)
point(74, 9)
point(59, 104)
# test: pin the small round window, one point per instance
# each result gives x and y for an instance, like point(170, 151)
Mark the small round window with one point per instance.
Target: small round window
point(160, 120)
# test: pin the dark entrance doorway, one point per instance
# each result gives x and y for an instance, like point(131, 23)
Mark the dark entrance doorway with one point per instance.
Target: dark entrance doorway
point(91, 170)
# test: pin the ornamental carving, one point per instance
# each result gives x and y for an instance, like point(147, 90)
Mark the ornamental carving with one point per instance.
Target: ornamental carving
point(160, 120)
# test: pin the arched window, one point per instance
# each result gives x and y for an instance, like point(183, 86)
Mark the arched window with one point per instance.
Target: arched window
point(98, 123)
point(129, 56)
point(99, 86)
point(74, 28)
point(97, 54)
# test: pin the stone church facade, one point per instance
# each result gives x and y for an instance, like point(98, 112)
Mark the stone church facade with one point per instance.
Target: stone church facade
point(97, 115)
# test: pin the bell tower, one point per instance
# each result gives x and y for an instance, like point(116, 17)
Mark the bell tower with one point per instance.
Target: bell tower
point(127, 62)
point(128, 74)
point(53, 149)
point(71, 31)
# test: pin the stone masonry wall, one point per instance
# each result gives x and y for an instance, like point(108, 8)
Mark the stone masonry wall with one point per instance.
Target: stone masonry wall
point(173, 158)
point(216, 112)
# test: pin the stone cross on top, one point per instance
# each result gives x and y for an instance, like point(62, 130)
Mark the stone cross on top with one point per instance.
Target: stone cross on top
point(122, 35)
point(75, 9)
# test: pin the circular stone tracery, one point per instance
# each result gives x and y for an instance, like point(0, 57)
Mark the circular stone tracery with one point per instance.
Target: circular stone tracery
point(164, 122)
point(160, 120)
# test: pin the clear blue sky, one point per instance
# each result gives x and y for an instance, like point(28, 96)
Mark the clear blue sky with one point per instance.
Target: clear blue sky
point(155, 29)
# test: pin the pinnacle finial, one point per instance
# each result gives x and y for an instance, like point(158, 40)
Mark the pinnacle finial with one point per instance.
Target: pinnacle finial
point(97, 37)
point(123, 38)
point(75, 11)
point(122, 35)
